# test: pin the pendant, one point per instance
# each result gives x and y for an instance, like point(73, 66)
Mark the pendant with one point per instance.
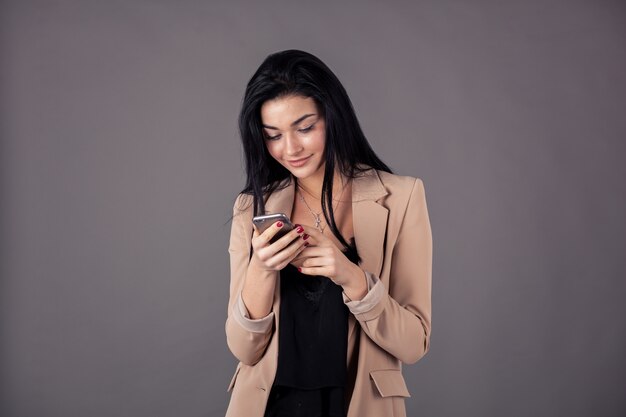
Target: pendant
point(317, 222)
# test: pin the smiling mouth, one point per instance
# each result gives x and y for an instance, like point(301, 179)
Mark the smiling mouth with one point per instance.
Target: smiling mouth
point(298, 160)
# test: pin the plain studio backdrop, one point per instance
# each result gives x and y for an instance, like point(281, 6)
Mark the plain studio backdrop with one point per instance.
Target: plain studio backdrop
point(120, 161)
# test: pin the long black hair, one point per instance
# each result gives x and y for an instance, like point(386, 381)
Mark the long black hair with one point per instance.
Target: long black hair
point(295, 72)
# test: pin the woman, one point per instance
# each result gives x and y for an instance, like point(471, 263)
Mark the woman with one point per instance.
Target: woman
point(322, 318)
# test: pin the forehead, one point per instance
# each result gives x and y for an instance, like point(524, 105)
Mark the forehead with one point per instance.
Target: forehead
point(282, 111)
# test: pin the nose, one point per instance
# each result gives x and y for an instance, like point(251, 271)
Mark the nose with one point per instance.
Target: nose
point(293, 146)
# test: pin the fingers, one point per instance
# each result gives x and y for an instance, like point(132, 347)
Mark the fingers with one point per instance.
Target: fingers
point(316, 237)
point(279, 253)
point(313, 233)
point(324, 271)
point(317, 252)
point(262, 240)
point(287, 255)
point(284, 241)
point(272, 231)
point(323, 260)
point(318, 257)
point(279, 259)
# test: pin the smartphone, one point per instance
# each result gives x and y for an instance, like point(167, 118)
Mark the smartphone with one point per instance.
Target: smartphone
point(266, 220)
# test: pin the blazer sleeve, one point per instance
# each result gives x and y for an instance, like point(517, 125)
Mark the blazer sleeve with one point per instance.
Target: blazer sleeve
point(400, 322)
point(247, 339)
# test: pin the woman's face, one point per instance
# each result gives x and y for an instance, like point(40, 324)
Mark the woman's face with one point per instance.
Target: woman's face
point(295, 134)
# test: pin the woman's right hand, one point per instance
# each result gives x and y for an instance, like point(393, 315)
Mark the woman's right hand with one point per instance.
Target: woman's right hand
point(276, 256)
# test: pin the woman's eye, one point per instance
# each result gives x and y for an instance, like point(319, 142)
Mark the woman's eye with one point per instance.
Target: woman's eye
point(272, 137)
point(306, 129)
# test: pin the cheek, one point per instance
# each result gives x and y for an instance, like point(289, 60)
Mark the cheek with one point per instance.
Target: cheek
point(318, 141)
point(314, 142)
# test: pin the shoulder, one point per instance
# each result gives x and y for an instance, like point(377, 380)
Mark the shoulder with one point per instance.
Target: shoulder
point(404, 194)
point(243, 202)
point(243, 208)
point(399, 183)
point(390, 190)
point(401, 189)
point(405, 199)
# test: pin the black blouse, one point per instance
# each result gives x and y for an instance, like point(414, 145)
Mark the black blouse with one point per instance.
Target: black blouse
point(312, 346)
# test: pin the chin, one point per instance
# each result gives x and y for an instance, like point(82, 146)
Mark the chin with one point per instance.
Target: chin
point(299, 174)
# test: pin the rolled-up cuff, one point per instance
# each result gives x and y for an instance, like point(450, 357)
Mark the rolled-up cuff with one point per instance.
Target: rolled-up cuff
point(241, 315)
point(375, 293)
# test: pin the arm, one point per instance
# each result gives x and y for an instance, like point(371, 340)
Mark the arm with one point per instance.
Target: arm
point(247, 339)
point(399, 321)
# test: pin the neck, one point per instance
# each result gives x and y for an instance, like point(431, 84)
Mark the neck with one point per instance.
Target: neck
point(313, 184)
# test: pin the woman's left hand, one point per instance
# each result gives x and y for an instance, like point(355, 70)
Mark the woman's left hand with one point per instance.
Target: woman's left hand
point(323, 257)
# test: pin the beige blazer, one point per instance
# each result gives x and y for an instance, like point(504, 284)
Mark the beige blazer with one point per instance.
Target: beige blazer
point(393, 237)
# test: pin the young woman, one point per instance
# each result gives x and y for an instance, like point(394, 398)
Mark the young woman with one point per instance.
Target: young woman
point(322, 318)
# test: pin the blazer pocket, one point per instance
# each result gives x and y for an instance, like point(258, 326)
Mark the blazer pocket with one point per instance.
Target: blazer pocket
point(390, 382)
point(232, 381)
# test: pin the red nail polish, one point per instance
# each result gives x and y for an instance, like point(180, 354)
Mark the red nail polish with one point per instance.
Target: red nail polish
point(299, 229)
point(299, 269)
point(279, 224)
point(305, 236)
point(306, 243)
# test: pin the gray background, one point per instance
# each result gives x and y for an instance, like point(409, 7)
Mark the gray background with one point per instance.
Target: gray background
point(120, 161)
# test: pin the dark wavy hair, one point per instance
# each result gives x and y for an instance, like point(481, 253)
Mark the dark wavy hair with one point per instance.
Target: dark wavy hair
point(295, 72)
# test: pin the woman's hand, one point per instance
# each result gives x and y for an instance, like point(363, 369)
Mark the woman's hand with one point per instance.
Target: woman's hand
point(324, 258)
point(257, 293)
point(275, 256)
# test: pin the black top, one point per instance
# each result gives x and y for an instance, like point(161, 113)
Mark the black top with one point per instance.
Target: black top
point(312, 345)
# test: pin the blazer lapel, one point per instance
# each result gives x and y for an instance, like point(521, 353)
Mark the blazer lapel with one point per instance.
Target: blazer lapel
point(369, 220)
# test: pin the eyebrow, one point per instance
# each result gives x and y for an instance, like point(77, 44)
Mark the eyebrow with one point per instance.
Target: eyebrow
point(295, 122)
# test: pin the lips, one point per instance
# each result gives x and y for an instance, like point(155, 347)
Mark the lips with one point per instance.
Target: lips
point(299, 162)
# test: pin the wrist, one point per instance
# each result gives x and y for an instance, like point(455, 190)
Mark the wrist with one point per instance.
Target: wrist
point(356, 287)
point(257, 270)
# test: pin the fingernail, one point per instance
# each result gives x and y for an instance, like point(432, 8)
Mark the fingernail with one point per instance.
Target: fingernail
point(299, 269)
point(279, 224)
point(300, 229)
point(306, 243)
point(305, 236)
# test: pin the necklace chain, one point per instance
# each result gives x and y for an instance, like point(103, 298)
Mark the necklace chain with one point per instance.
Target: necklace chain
point(316, 216)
